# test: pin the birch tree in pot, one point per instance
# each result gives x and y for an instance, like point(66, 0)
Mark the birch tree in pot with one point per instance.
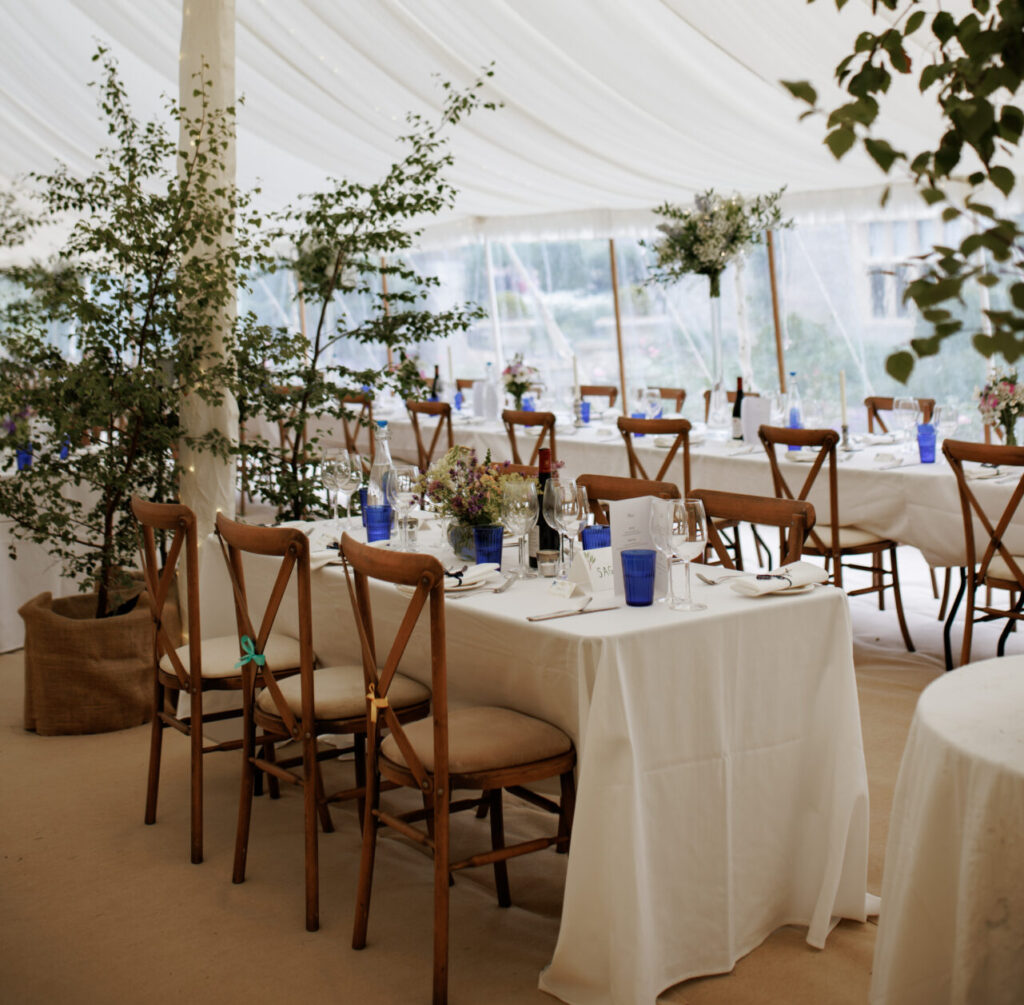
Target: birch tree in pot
point(102, 401)
point(350, 244)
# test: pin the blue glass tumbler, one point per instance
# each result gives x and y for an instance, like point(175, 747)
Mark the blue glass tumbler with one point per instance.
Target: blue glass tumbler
point(597, 536)
point(926, 442)
point(362, 505)
point(378, 523)
point(638, 576)
point(638, 415)
point(488, 541)
point(585, 411)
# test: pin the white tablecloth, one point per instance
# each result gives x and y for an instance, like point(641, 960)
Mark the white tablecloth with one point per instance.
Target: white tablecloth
point(722, 784)
point(915, 504)
point(952, 922)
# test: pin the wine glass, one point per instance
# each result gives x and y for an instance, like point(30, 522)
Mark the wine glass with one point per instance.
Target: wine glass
point(519, 513)
point(662, 515)
point(652, 402)
point(352, 469)
point(569, 512)
point(332, 474)
point(688, 536)
point(905, 415)
point(402, 494)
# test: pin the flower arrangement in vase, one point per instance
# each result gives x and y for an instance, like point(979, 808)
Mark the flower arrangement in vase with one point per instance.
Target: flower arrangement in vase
point(1001, 403)
point(466, 493)
point(518, 378)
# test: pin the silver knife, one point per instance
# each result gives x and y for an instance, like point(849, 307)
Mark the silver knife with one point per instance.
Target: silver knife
point(572, 613)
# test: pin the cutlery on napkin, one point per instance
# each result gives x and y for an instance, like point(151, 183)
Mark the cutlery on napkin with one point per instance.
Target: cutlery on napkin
point(785, 577)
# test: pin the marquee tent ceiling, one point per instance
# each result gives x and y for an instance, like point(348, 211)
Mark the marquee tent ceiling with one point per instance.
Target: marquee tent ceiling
point(610, 107)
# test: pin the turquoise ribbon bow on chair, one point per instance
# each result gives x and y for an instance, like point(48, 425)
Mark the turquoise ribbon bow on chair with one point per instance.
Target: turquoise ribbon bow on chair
point(250, 654)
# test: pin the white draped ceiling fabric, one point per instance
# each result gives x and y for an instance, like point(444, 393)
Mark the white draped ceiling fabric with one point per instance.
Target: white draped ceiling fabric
point(609, 107)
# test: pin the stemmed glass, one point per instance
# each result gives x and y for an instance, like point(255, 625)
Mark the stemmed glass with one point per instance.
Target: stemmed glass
point(333, 470)
point(352, 470)
point(688, 537)
point(402, 492)
point(905, 419)
point(519, 512)
point(662, 515)
point(652, 402)
point(565, 508)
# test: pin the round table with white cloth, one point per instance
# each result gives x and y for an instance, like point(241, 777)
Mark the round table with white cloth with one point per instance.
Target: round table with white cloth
point(951, 927)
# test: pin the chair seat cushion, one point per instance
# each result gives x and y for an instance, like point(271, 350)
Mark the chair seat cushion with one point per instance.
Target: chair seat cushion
point(849, 537)
point(220, 655)
point(340, 693)
point(483, 739)
point(998, 569)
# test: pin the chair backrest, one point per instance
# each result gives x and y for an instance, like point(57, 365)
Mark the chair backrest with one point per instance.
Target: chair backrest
point(357, 420)
point(677, 395)
point(443, 412)
point(826, 440)
point(464, 383)
point(678, 428)
point(876, 405)
point(794, 520)
point(602, 489)
point(529, 470)
point(291, 546)
point(512, 418)
point(730, 396)
point(609, 391)
point(181, 522)
point(979, 559)
point(426, 575)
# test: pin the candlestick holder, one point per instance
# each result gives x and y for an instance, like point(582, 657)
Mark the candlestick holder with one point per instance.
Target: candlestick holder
point(577, 411)
point(845, 444)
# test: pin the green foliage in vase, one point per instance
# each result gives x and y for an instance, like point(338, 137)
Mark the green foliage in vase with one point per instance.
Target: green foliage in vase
point(134, 284)
point(974, 72)
point(349, 240)
point(717, 229)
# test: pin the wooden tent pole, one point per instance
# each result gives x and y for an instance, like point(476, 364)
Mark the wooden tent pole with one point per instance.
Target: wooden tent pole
point(779, 356)
point(618, 319)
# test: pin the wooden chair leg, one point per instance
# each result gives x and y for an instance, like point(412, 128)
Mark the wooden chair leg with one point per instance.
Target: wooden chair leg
point(898, 599)
point(485, 804)
point(310, 790)
point(441, 880)
point(370, 825)
point(947, 581)
point(935, 584)
point(965, 649)
point(196, 767)
point(498, 841)
point(567, 809)
point(245, 798)
point(359, 765)
point(156, 738)
point(322, 809)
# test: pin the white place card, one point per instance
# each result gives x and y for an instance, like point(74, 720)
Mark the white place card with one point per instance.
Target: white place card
point(594, 570)
point(630, 521)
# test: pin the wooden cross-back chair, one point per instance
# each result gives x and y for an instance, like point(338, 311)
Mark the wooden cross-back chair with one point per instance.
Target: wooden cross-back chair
point(609, 391)
point(831, 540)
point(360, 407)
point(529, 470)
point(474, 748)
point(876, 405)
point(676, 395)
point(792, 518)
point(465, 383)
point(679, 428)
point(990, 562)
point(329, 700)
point(202, 665)
point(440, 410)
point(603, 489)
point(730, 396)
point(546, 420)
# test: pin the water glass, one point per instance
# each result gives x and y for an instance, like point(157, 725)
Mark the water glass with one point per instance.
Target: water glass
point(585, 411)
point(352, 470)
point(926, 442)
point(597, 536)
point(662, 515)
point(401, 495)
point(519, 512)
point(906, 415)
point(333, 474)
point(488, 542)
point(378, 522)
point(638, 576)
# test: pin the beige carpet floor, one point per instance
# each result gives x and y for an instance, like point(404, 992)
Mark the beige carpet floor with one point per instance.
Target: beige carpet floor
point(97, 908)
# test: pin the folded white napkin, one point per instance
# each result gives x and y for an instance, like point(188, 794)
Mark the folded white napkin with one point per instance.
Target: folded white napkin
point(879, 439)
point(320, 536)
point(785, 577)
point(976, 474)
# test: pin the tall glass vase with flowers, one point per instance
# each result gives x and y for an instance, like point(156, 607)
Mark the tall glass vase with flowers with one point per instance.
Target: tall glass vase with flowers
point(1001, 403)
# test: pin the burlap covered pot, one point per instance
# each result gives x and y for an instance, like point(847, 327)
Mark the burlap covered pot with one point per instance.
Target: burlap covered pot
point(85, 674)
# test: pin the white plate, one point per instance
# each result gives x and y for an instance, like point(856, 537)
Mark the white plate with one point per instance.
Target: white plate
point(802, 456)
